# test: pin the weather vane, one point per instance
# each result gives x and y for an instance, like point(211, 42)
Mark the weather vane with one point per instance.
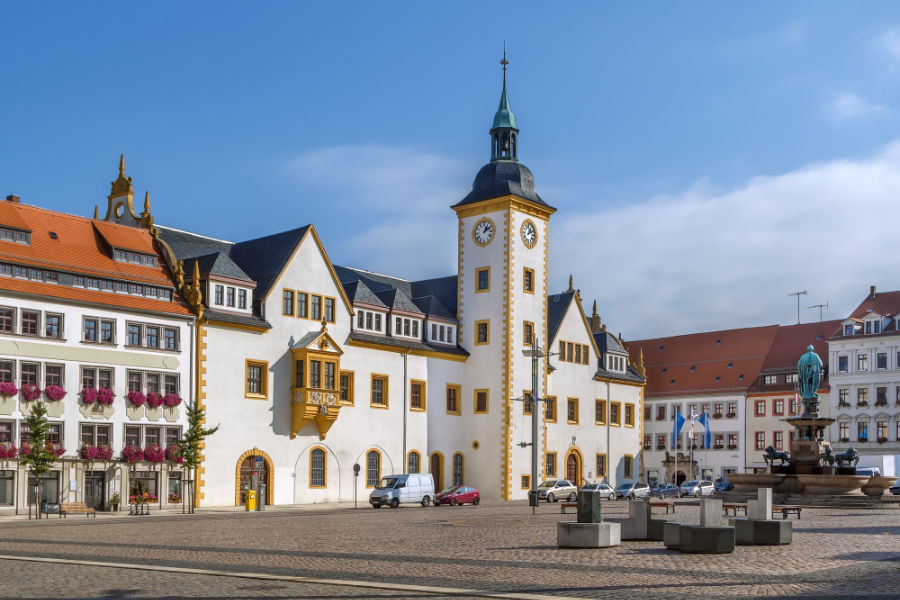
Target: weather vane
point(504, 62)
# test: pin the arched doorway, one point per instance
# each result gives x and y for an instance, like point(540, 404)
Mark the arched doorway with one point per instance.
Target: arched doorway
point(573, 467)
point(254, 471)
point(437, 460)
point(680, 478)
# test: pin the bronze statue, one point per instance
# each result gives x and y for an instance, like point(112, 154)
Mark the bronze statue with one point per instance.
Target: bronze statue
point(771, 454)
point(850, 456)
point(810, 370)
point(826, 457)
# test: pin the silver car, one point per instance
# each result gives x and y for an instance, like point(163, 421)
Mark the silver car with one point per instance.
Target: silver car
point(554, 489)
point(633, 490)
point(603, 489)
point(696, 488)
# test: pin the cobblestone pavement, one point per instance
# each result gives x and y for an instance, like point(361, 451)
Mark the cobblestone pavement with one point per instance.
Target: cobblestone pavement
point(491, 549)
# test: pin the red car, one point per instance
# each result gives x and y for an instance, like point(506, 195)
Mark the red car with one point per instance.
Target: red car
point(457, 494)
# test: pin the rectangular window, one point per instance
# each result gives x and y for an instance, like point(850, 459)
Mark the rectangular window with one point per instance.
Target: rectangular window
point(134, 334)
point(881, 361)
point(482, 279)
point(453, 399)
point(526, 482)
point(628, 466)
point(550, 464)
point(578, 353)
point(302, 304)
point(862, 431)
point(170, 338)
point(528, 280)
point(615, 413)
point(770, 380)
point(629, 415)
point(107, 332)
point(30, 373)
point(760, 440)
point(315, 374)
point(220, 295)
point(527, 333)
point(601, 465)
point(778, 407)
point(152, 382)
point(347, 387)
point(317, 468)
point(572, 410)
point(242, 298)
point(256, 385)
point(7, 320)
point(316, 312)
point(569, 352)
point(881, 430)
point(760, 408)
point(600, 412)
point(481, 402)
point(862, 362)
point(881, 396)
point(329, 375)
point(229, 296)
point(170, 383)
point(89, 330)
point(53, 375)
point(287, 303)
point(53, 326)
point(151, 335)
point(299, 373)
point(30, 320)
point(329, 310)
point(661, 441)
point(527, 404)
point(482, 332)
point(7, 371)
point(843, 397)
point(778, 440)
point(550, 409)
point(135, 381)
point(379, 395)
point(862, 397)
point(584, 354)
point(417, 395)
point(843, 364)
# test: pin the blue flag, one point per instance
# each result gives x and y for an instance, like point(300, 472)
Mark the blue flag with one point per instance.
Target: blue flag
point(676, 431)
point(704, 420)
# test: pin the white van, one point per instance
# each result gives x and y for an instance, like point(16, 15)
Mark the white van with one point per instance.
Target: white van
point(406, 488)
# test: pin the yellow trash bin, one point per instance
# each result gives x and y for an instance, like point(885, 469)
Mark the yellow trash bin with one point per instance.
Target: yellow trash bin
point(250, 502)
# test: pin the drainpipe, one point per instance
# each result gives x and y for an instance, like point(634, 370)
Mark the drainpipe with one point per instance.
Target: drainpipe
point(609, 461)
point(405, 392)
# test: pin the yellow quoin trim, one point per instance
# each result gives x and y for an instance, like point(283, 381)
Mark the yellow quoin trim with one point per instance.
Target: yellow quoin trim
point(199, 398)
point(270, 476)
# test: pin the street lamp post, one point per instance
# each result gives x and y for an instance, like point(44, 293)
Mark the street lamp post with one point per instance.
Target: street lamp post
point(536, 354)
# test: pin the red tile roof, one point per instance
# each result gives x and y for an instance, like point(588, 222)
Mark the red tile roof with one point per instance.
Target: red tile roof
point(120, 236)
point(791, 342)
point(886, 304)
point(714, 362)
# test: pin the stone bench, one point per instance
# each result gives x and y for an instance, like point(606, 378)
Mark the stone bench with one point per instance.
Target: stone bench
point(76, 508)
point(785, 510)
point(640, 525)
point(734, 507)
point(669, 506)
point(711, 536)
point(589, 531)
point(760, 529)
point(564, 505)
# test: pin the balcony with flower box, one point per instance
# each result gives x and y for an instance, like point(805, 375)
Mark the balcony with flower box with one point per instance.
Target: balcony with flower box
point(315, 397)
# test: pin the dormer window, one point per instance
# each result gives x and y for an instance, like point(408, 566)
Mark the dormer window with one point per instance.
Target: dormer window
point(369, 320)
point(849, 329)
point(873, 326)
point(442, 334)
point(615, 363)
point(406, 327)
point(14, 235)
point(136, 258)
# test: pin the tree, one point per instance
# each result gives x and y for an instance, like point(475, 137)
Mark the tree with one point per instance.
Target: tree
point(192, 443)
point(38, 458)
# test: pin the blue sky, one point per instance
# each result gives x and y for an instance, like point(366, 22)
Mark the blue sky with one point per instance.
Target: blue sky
point(706, 158)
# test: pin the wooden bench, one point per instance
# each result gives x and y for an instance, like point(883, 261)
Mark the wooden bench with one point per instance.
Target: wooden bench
point(668, 506)
point(564, 505)
point(734, 507)
point(75, 508)
point(785, 510)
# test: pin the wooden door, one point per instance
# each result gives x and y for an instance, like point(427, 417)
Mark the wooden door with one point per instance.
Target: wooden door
point(436, 472)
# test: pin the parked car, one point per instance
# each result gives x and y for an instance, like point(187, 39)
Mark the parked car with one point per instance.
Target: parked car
point(724, 486)
point(633, 490)
point(603, 489)
point(895, 489)
point(554, 489)
point(869, 471)
point(457, 494)
point(665, 490)
point(697, 488)
point(394, 489)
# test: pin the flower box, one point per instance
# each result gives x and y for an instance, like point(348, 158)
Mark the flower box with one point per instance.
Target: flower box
point(847, 404)
point(137, 398)
point(30, 392)
point(174, 498)
point(105, 396)
point(7, 450)
point(661, 447)
point(730, 415)
point(660, 418)
point(173, 454)
point(845, 440)
point(54, 393)
point(862, 403)
point(144, 498)
point(132, 454)
point(8, 389)
point(863, 439)
point(172, 400)
point(153, 453)
point(732, 446)
point(717, 415)
point(88, 395)
point(154, 400)
point(882, 440)
point(719, 447)
point(55, 449)
point(101, 452)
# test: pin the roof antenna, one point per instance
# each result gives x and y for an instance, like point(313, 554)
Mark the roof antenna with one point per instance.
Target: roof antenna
point(819, 306)
point(798, 294)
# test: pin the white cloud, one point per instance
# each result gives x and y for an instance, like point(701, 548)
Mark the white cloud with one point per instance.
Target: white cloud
point(847, 106)
point(699, 261)
point(889, 43)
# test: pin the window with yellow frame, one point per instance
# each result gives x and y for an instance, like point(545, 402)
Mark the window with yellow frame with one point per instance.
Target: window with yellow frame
point(378, 396)
point(550, 409)
point(526, 482)
point(482, 332)
point(600, 412)
point(347, 387)
point(527, 333)
point(601, 465)
point(318, 468)
point(453, 392)
point(416, 395)
point(629, 415)
point(287, 303)
point(615, 413)
point(528, 280)
point(627, 466)
point(482, 280)
point(550, 464)
point(256, 379)
point(572, 410)
point(481, 402)
point(527, 404)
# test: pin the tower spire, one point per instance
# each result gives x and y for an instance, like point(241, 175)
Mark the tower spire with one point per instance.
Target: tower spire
point(504, 131)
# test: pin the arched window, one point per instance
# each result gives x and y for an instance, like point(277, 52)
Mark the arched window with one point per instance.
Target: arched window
point(317, 468)
point(412, 463)
point(457, 468)
point(373, 468)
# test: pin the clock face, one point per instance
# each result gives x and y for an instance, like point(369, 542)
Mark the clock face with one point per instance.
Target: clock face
point(529, 234)
point(483, 232)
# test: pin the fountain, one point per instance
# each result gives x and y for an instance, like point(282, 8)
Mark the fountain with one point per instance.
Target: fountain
point(809, 469)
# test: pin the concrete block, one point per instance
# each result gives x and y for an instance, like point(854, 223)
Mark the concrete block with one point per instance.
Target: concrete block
point(768, 532)
point(706, 540)
point(711, 513)
point(672, 535)
point(635, 526)
point(589, 508)
point(761, 508)
point(570, 534)
point(655, 529)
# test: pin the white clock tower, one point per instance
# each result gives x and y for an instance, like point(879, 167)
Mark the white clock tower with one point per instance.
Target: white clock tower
point(502, 261)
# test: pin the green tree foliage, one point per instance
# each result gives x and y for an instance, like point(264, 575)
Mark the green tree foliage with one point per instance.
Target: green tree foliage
point(192, 441)
point(38, 459)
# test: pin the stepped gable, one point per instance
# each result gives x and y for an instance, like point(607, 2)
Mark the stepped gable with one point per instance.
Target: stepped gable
point(704, 363)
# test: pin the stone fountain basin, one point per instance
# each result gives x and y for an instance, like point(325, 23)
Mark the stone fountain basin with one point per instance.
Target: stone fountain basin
point(876, 485)
point(745, 482)
point(832, 485)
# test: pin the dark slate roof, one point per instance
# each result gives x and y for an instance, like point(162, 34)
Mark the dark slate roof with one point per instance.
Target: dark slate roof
point(433, 307)
point(629, 375)
point(502, 178)
point(219, 264)
point(445, 289)
point(442, 288)
point(358, 292)
point(221, 315)
point(396, 300)
point(557, 304)
point(607, 342)
point(190, 245)
point(306, 340)
point(264, 258)
point(398, 343)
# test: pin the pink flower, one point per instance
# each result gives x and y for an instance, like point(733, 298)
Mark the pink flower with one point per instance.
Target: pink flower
point(154, 400)
point(24, 449)
point(54, 392)
point(172, 399)
point(137, 398)
point(8, 389)
point(105, 396)
point(132, 454)
point(153, 453)
point(7, 450)
point(55, 449)
point(88, 452)
point(104, 452)
point(173, 454)
point(30, 392)
point(89, 395)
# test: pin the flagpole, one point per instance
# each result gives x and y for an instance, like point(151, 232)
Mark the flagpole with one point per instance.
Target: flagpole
point(706, 438)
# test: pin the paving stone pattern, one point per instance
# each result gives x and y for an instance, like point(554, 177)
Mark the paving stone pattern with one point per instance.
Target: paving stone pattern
point(498, 548)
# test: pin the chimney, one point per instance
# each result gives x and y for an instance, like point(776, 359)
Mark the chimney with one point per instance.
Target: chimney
point(13, 198)
point(872, 292)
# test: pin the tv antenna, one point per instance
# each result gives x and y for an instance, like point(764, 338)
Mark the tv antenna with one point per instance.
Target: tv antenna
point(798, 294)
point(819, 306)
